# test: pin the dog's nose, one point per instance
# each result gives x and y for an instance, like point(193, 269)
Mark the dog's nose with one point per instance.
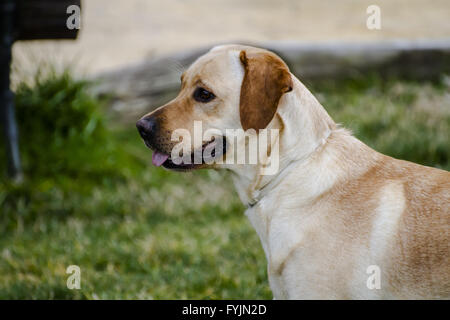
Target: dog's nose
point(146, 127)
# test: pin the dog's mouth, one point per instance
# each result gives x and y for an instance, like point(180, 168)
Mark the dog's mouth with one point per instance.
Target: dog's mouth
point(214, 151)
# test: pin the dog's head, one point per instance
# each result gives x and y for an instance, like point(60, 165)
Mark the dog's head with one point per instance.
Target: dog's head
point(230, 87)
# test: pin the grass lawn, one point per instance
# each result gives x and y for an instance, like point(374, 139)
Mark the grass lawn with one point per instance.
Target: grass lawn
point(92, 198)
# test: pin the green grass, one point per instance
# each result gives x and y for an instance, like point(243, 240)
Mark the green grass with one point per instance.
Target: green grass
point(91, 197)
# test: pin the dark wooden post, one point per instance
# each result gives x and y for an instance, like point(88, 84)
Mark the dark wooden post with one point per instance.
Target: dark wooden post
point(25, 20)
point(7, 98)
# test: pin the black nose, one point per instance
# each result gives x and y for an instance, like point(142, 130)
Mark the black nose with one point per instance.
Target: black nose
point(146, 127)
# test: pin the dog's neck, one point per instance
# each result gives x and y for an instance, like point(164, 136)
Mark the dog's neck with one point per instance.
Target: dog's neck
point(304, 128)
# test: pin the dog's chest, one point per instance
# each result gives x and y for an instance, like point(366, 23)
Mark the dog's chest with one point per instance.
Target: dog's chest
point(306, 258)
point(287, 239)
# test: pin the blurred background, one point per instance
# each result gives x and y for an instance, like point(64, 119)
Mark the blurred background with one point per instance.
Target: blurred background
point(90, 197)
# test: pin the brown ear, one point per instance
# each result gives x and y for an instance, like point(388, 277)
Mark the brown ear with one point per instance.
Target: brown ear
point(266, 79)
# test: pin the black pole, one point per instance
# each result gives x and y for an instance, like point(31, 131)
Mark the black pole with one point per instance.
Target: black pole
point(7, 116)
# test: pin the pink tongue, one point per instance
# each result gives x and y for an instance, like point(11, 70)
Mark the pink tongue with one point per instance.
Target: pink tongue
point(158, 158)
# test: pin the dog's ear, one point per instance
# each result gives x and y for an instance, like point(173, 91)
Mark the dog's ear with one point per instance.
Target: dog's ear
point(266, 79)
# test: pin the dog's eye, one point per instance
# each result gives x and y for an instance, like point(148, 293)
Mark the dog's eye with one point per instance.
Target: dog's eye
point(202, 95)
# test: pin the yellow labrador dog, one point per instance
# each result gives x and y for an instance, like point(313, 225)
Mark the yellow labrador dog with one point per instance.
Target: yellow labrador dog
point(337, 220)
